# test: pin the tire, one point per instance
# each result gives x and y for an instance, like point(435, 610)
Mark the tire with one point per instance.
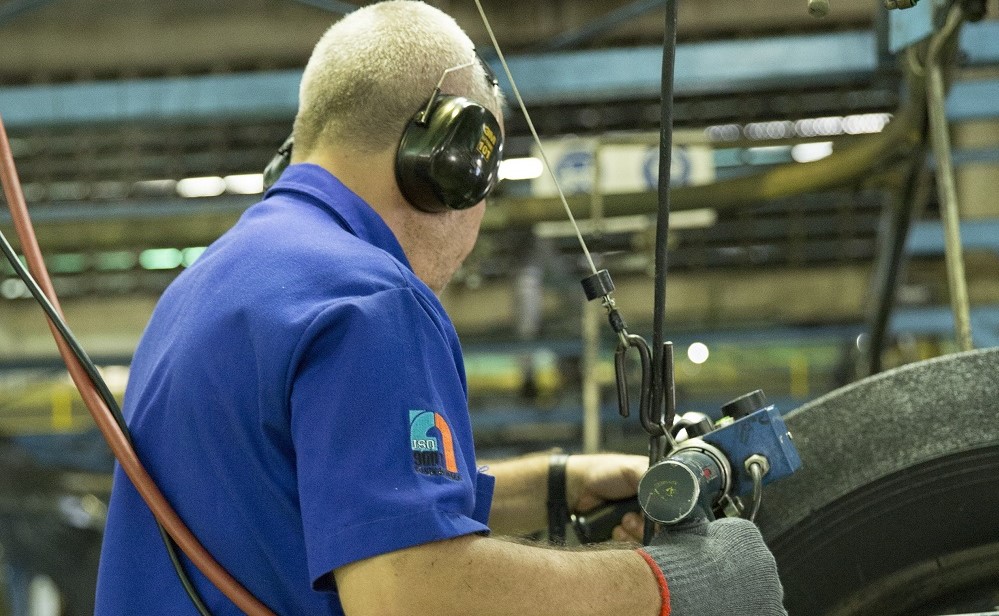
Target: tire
point(896, 508)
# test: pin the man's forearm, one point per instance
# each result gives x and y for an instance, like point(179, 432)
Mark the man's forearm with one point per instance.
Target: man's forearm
point(488, 577)
point(519, 504)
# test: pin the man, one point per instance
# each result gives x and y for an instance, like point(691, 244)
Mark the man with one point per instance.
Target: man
point(299, 395)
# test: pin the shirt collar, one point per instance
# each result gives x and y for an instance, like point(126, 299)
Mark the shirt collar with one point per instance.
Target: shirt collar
point(348, 209)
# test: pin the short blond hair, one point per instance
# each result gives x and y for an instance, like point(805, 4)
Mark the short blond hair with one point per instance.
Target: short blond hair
point(375, 68)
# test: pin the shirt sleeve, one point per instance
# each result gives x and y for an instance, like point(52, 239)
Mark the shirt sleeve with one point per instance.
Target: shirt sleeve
point(380, 426)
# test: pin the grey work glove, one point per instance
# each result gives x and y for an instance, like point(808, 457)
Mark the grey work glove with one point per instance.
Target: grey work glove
point(718, 569)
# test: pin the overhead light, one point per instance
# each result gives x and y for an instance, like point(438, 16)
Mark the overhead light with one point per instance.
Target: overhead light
point(693, 219)
point(698, 353)
point(865, 123)
point(33, 191)
point(686, 219)
point(768, 150)
point(521, 169)
point(856, 124)
point(724, 132)
point(13, 288)
point(811, 152)
point(614, 224)
point(68, 191)
point(160, 258)
point(66, 263)
point(190, 255)
point(109, 190)
point(115, 377)
point(247, 184)
point(211, 186)
point(769, 130)
point(119, 260)
point(155, 187)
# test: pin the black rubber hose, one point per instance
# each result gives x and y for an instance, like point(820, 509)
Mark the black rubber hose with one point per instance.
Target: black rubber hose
point(662, 223)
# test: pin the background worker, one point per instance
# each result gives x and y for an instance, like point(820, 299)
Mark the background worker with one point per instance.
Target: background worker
point(299, 393)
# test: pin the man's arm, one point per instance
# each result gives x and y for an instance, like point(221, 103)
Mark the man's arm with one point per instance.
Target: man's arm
point(702, 569)
point(519, 501)
point(519, 497)
point(483, 576)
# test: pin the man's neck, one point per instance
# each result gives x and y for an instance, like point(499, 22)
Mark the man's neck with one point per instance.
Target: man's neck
point(416, 231)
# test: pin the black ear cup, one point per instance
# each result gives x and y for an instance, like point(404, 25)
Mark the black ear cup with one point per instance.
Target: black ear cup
point(449, 158)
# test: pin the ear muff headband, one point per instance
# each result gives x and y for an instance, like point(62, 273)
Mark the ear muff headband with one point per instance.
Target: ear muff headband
point(449, 155)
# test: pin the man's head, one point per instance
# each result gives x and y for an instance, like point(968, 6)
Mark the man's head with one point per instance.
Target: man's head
point(375, 68)
point(368, 76)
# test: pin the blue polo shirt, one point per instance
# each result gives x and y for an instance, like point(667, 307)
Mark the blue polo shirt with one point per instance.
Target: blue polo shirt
point(299, 396)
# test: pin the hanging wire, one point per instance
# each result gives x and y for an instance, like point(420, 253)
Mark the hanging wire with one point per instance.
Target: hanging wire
point(537, 139)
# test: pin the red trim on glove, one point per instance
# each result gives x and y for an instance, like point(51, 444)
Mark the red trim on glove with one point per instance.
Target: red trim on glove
point(661, 578)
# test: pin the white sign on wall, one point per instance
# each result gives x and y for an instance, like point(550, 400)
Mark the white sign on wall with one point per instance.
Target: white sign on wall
point(624, 168)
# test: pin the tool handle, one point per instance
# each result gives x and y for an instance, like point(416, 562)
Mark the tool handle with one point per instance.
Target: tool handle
point(596, 525)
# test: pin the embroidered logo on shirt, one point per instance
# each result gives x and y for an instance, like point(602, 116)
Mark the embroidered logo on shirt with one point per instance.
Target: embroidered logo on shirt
point(433, 446)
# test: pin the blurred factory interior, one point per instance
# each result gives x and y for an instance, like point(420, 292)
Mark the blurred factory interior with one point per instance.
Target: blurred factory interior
point(807, 246)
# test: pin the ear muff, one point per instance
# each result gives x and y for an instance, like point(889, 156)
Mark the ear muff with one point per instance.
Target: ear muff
point(449, 155)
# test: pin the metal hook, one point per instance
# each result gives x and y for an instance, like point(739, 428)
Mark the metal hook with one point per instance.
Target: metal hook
point(628, 341)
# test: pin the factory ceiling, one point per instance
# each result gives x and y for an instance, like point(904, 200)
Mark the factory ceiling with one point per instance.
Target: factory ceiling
point(59, 40)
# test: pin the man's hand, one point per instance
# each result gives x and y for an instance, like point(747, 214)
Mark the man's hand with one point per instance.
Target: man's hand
point(717, 569)
point(592, 480)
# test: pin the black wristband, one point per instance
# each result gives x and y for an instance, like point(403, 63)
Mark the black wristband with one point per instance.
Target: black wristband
point(558, 505)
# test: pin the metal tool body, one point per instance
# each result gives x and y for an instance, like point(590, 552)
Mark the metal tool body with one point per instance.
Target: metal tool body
point(761, 433)
point(687, 486)
point(702, 476)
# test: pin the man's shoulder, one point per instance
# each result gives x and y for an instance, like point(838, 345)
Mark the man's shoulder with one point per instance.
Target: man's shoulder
point(289, 239)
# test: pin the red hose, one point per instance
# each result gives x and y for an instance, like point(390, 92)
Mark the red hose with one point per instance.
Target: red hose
point(105, 421)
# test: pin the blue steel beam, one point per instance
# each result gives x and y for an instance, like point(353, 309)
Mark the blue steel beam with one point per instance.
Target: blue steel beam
point(973, 100)
point(926, 239)
point(82, 211)
point(15, 8)
point(332, 6)
point(720, 66)
point(979, 41)
point(576, 77)
point(939, 320)
point(974, 156)
point(545, 78)
point(910, 26)
point(599, 26)
point(269, 95)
